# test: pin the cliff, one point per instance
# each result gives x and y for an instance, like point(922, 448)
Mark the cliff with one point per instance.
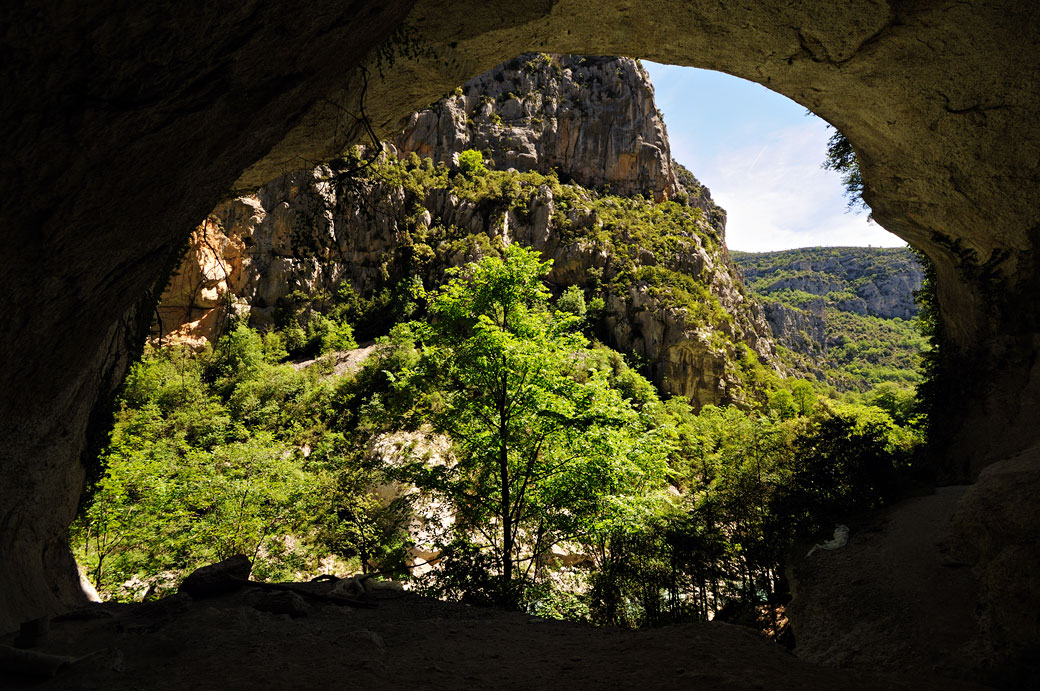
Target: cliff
point(593, 119)
point(845, 315)
point(576, 147)
point(879, 282)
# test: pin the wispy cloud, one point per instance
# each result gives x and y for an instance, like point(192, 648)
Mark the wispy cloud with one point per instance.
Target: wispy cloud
point(761, 151)
point(760, 156)
point(779, 197)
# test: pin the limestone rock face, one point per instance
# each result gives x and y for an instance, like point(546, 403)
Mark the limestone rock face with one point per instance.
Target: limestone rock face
point(801, 330)
point(304, 232)
point(877, 282)
point(591, 118)
point(429, 517)
point(252, 251)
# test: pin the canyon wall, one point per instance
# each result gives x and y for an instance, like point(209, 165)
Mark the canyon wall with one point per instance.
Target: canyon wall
point(313, 230)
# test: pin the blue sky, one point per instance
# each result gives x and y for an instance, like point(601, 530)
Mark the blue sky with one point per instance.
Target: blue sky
point(759, 154)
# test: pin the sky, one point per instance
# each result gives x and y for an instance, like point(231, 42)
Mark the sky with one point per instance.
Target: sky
point(759, 153)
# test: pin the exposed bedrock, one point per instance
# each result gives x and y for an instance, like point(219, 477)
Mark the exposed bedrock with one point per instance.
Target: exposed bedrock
point(124, 124)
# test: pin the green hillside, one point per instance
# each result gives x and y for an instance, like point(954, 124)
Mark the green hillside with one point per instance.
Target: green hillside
point(843, 316)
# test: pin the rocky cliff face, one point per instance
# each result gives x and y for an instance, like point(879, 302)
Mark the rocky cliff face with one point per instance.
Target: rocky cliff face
point(591, 119)
point(877, 282)
point(306, 233)
point(801, 329)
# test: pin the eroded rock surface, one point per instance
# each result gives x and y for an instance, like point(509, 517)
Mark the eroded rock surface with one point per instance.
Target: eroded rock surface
point(308, 232)
point(591, 118)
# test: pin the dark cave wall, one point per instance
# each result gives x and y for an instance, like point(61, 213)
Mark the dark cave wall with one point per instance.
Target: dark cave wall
point(123, 126)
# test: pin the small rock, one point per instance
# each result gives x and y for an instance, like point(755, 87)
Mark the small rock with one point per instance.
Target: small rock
point(33, 633)
point(217, 579)
point(363, 639)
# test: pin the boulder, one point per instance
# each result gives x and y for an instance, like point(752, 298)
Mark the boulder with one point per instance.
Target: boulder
point(217, 579)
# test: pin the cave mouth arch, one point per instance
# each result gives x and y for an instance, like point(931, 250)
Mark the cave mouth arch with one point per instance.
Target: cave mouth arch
point(763, 157)
point(118, 142)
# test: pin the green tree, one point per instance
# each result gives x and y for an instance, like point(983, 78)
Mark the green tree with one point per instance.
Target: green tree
point(471, 163)
point(842, 159)
point(572, 301)
point(547, 450)
point(804, 397)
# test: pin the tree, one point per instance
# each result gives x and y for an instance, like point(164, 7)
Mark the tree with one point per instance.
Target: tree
point(547, 451)
point(841, 158)
point(471, 163)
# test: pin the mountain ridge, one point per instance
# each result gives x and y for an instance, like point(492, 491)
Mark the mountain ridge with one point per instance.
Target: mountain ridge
point(844, 316)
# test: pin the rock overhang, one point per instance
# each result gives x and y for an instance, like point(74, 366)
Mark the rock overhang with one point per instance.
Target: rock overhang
point(939, 101)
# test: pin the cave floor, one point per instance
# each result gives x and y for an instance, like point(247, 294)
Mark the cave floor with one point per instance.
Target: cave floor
point(226, 642)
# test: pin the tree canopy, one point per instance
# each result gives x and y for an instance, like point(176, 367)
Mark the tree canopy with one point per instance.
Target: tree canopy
point(547, 450)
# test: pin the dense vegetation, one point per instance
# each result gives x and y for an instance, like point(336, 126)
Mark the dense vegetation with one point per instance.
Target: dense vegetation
point(542, 470)
point(861, 343)
point(669, 256)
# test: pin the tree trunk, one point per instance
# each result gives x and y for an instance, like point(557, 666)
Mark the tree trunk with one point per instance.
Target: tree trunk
point(503, 469)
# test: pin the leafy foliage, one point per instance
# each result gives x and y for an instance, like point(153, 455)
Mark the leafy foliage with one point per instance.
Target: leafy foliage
point(751, 487)
point(841, 158)
point(856, 350)
point(573, 489)
point(670, 251)
point(471, 162)
point(547, 450)
point(208, 458)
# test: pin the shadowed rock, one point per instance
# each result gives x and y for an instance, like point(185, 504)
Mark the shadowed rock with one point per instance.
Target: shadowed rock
point(217, 579)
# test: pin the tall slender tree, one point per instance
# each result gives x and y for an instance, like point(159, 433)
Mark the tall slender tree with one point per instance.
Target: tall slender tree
point(547, 450)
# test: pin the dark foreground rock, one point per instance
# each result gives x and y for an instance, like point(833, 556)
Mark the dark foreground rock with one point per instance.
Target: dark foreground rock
point(226, 643)
point(217, 579)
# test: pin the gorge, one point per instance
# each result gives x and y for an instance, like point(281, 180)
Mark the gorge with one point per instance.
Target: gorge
point(120, 139)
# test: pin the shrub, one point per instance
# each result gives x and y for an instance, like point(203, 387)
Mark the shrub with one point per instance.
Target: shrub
point(471, 163)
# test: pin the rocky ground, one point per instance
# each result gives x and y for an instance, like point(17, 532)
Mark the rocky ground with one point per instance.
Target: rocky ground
point(866, 607)
point(252, 640)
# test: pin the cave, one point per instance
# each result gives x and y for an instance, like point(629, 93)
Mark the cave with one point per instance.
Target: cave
point(124, 126)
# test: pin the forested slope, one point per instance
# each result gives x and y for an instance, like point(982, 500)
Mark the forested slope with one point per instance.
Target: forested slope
point(844, 316)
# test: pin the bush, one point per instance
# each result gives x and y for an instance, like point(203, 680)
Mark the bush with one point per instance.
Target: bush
point(572, 301)
point(471, 163)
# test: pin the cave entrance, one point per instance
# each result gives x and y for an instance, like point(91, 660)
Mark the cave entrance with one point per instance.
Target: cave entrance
point(256, 424)
point(947, 139)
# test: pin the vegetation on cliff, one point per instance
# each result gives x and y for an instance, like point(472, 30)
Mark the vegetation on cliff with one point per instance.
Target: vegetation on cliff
point(613, 505)
point(627, 255)
point(845, 317)
point(572, 405)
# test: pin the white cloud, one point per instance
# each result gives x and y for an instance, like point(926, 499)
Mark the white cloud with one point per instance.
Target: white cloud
point(776, 193)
